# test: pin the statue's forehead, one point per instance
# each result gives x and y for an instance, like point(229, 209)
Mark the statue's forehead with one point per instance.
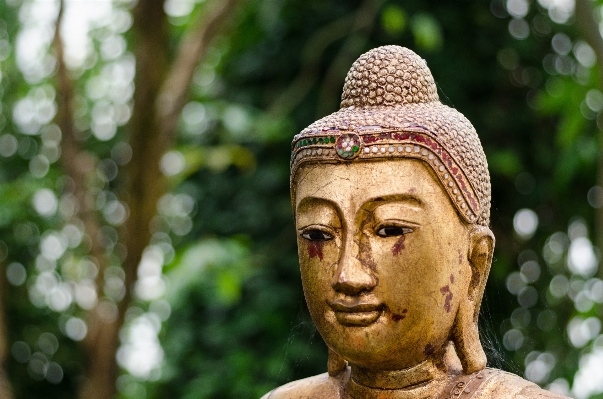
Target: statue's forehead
point(366, 146)
point(361, 184)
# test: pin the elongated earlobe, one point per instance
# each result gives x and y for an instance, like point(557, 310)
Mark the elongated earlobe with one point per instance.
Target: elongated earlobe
point(465, 334)
point(335, 364)
point(466, 340)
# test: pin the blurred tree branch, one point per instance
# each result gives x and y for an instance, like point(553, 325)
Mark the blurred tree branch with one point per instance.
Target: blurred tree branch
point(331, 88)
point(78, 164)
point(362, 19)
point(75, 161)
point(295, 93)
point(588, 25)
point(161, 91)
point(174, 90)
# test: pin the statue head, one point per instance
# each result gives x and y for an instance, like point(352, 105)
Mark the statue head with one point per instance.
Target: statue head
point(391, 196)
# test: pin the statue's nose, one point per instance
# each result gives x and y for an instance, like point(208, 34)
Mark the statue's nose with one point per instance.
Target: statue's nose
point(352, 276)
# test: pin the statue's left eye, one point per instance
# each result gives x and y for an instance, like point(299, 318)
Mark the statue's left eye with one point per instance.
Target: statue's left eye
point(316, 235)
point(393, 231)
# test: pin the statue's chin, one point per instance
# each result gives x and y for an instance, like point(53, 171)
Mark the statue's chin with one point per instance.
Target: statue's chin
point(371, 346)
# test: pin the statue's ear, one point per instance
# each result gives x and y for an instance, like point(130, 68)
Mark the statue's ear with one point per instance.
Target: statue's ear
point(481, 249)
point(465, 333)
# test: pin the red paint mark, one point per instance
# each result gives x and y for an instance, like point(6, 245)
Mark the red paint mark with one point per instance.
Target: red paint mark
point(460, 258)
point(429, 349)
point(315, 249)
point(397, 317)
point(370, 139)
point(451, 279)
point(412, 190)
point(446, 291)
point(399, 245)
point(400, 136)
point(467, 192)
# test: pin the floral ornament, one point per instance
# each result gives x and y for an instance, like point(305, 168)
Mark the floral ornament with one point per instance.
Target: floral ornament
point(348, 145)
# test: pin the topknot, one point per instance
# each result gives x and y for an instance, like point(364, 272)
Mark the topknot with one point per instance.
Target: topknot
point(388, 75)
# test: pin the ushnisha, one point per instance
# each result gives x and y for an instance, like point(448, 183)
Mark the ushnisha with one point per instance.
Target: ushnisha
point(391, 197)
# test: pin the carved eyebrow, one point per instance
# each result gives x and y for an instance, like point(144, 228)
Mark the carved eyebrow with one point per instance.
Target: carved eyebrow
point(408, 198)
point(313, 201)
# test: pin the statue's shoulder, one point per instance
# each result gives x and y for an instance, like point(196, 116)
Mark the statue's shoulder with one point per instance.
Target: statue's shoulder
point(320, 386)
point(498, 384)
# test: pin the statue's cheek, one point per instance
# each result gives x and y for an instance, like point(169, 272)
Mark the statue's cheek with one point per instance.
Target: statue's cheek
point(318, 261)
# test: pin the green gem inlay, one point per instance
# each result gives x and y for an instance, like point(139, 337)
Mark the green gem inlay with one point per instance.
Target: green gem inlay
point(332, 139)
point(315, 140)
point(304, 143)
point(355, 148)
point(340, 152)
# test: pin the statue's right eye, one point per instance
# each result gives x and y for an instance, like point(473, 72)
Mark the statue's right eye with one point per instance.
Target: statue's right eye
point(316, 235)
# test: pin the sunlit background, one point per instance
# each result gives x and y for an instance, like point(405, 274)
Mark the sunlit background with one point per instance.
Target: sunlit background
point(213, 307)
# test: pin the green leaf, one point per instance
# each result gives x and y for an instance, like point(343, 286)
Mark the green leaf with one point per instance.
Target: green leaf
point(228, 286)
point(224, 261)
point(393, 19)
point(215, 158)
point(505, 162)
point(427, 32)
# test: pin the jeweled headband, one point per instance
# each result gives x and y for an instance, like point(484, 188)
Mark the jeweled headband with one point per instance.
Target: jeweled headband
point(390, 109)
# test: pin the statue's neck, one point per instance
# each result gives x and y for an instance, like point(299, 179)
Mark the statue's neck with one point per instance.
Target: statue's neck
point(425, 379)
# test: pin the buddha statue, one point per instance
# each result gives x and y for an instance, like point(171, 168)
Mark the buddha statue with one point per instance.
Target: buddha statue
point(391, 197)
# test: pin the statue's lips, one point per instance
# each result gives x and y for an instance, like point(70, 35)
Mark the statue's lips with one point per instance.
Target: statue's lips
point(356, 314)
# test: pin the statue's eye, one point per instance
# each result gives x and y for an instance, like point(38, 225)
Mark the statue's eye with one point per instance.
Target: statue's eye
point(316, 235)
point(393, 231)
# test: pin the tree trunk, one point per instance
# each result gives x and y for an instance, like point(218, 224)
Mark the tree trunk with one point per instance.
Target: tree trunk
point(6, 391)
point(143, 185)
point(101, 367)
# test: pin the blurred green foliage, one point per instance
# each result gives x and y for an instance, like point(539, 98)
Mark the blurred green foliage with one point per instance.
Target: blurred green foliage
point(232, 322)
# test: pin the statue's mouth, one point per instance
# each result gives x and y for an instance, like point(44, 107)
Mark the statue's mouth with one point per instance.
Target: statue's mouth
point(357, 314)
